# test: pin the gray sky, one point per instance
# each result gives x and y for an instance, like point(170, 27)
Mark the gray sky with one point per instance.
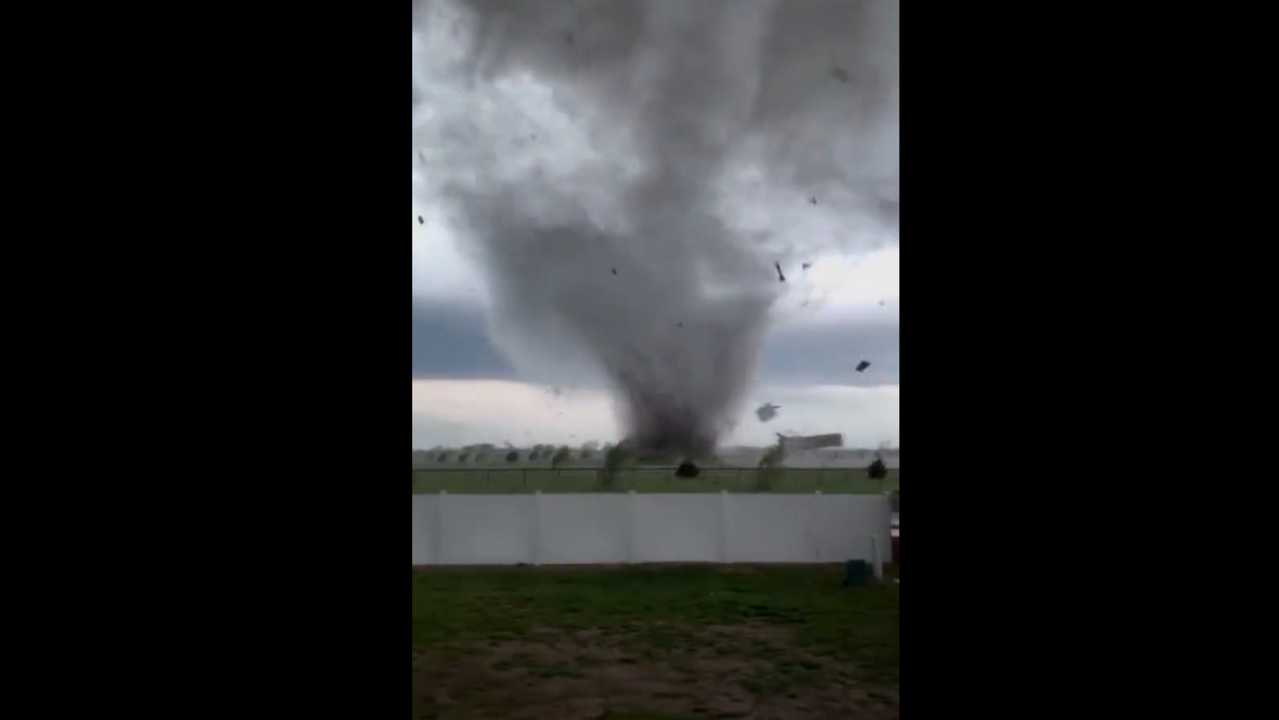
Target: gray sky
point(530, 114)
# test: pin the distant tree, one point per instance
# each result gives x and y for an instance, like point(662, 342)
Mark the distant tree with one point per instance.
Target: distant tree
point(687, 469)
point(513, 456)
point(770, 468)
point(442, 457)
point(877, 470)
point(616, 457)
point(533, 455)
point(561, 456)
point(772, 457)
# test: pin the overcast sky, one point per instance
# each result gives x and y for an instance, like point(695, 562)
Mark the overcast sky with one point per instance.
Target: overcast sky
point(843, 309)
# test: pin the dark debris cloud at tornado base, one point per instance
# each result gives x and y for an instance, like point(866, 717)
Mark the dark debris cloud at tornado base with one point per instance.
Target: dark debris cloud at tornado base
point(587, 155)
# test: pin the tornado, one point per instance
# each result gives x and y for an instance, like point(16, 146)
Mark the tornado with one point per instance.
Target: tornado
point(588, 156)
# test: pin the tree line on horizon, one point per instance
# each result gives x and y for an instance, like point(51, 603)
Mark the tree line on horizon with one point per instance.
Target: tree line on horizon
point(489, 453)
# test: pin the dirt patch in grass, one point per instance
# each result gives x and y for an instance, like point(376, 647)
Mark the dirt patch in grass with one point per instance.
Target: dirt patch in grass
point(653, 644)
point(747, 671)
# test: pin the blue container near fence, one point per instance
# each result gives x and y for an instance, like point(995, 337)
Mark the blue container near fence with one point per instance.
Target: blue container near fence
point(858, 573)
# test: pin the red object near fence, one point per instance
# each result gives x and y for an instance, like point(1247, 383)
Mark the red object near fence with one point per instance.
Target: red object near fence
point(896, 552)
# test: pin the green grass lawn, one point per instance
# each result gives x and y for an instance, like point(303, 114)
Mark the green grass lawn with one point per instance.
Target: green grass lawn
point(574, 480)
point(655, 643)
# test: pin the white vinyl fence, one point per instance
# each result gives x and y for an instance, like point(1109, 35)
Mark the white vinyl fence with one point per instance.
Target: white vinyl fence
point(603, 528)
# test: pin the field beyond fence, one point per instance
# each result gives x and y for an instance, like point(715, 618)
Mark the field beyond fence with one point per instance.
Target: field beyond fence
point(475, 481)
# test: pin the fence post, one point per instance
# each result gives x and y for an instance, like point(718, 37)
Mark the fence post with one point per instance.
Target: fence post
point(439, 527)
point(536, 528)
point(814, 522)
point(876, 562)
point(723, 527)
point(630, 526)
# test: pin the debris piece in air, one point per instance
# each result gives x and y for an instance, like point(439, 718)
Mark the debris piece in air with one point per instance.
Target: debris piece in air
point(839, 74)
point(861, 366)
point(687, 469)
point(812, 200)
point(780, 276)
point(614, 271)
point(420, 221)
point(568, 37)
point(767, 412)
point(881, 303)
point(806, 265)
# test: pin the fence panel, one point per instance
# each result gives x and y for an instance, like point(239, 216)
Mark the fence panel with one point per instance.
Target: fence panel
point(608, 528)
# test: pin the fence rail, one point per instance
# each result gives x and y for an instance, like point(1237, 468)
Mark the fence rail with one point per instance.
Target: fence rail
point(478, 481)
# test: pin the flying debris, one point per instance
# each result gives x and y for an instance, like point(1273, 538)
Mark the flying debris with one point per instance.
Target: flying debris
point(767, 412)
point(780, 276)
point(812, 200)
point(807, 266)
point(614, 271)
point(839, 74)
point(861, 366)
point(568, 37)
point(812, 442)
point(420, 221)
point(881, 303)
